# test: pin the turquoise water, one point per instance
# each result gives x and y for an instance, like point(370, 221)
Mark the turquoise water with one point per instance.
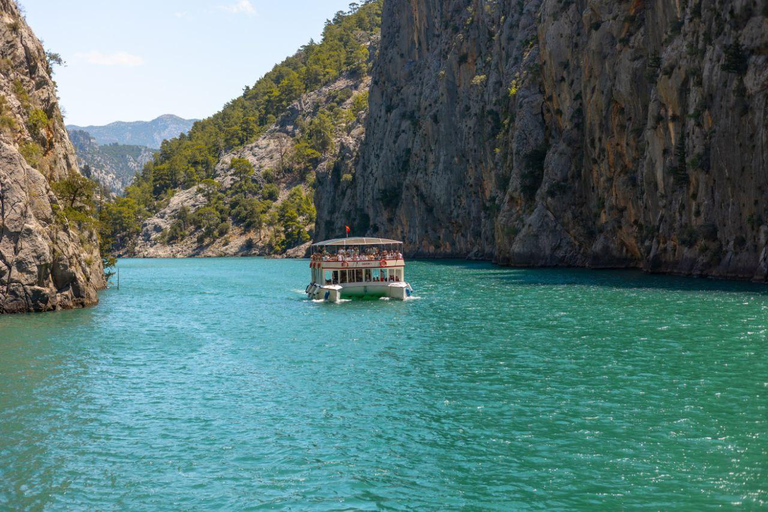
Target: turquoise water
point(213, 384)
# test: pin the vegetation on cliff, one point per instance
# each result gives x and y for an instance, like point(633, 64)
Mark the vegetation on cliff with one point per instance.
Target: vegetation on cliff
point(573, 133)
point(112, 165)
point(194, 159)
point(49, 251)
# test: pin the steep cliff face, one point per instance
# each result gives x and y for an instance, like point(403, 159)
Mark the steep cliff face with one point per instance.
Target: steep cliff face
point(567, 132)
point(45, 262)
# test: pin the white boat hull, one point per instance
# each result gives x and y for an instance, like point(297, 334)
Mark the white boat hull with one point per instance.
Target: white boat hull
point(335, 293)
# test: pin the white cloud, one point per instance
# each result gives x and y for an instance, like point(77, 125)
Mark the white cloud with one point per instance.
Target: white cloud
point(241, 7)
point(181, 14)
point(110, 59)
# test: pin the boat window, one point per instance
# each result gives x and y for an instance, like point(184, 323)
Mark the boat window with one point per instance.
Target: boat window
point(376, 274)
point(343, 277)
point(368, 278)
point(359, 276)
point(335, 277)
point(328, 277)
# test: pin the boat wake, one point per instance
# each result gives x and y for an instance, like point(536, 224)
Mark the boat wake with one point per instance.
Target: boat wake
point(323, 301)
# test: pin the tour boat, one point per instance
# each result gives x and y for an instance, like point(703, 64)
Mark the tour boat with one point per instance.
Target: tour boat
point(358, 267)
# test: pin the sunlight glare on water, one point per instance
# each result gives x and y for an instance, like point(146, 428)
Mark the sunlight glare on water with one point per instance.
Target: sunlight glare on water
point(213, 384)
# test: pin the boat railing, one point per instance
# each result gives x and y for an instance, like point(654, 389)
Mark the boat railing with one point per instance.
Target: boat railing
point(355, 259)
point(391, 279)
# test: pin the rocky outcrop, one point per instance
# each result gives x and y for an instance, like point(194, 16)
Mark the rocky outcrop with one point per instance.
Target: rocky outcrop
point(586, 133)
point(45, 262)
point(114, 166)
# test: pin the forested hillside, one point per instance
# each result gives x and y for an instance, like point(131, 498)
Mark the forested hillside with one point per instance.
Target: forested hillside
point(114, 166)
point(138, 133)
point(201, 162)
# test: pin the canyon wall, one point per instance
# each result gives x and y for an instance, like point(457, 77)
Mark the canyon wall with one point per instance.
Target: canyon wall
point(591, 133)
point(46, 262)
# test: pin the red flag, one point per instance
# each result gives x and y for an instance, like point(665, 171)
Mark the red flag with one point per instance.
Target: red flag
point(348, 230)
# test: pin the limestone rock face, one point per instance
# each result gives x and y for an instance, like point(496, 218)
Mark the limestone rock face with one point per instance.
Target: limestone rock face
point(45, 264)
point(114, 166)
point(586, 133)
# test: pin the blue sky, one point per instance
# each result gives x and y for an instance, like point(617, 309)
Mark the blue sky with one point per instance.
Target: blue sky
point(130, 60)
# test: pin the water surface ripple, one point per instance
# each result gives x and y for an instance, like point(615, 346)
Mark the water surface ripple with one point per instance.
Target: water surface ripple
point(213, 384)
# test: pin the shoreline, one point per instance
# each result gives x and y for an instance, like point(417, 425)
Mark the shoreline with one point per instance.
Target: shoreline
point(672, 273)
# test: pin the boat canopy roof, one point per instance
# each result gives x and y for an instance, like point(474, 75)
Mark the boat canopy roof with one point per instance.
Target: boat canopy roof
point(343, 242)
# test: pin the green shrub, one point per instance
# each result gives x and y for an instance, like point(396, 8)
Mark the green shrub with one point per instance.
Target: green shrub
point(8, 123)
point(305, 157)
point(271, 192)
point(6, 65)
point(37, 123)
point(533, 175)
point(176, 231)
point(653, 67)
point(360, 103)
point(736, 59)
point(249, 212)
point(119, 222)
point(676, 26)
point(75, 194)
point(207, 220)
point(688, 236)
point(223, 229)
point(32, 153)
point(269, 175)
point(21, 93)
point(53, 59)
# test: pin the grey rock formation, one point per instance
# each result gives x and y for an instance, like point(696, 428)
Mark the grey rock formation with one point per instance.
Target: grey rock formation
point(567, 133)
point(45, 263)
point(113, 165)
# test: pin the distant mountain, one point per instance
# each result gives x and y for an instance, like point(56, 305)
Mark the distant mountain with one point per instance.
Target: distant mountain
point(139, 133)
point(112, 165)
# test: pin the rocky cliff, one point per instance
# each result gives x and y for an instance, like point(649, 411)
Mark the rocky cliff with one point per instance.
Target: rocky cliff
point(113, 165)
point(46, 261)
point(589, 133)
